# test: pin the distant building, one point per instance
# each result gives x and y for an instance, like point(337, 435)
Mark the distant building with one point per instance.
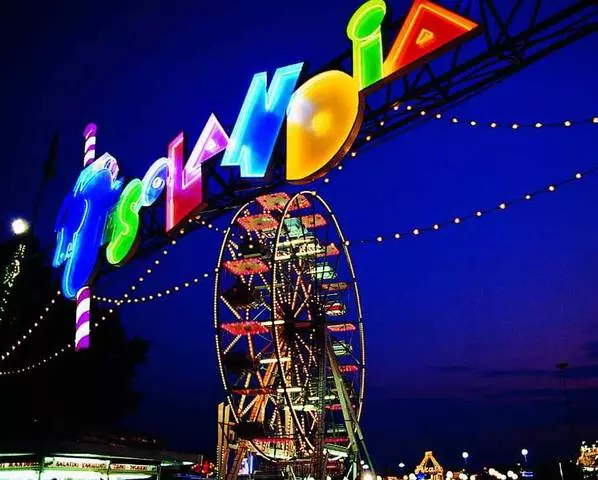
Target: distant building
point(588, 460)
point(430, 468)
point(93, 458)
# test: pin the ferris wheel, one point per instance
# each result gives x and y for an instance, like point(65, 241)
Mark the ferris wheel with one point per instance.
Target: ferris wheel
point(289, 337)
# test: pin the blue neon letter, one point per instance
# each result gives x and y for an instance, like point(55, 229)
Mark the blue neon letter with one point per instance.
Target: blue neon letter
point(261, 116)
point(80, 225)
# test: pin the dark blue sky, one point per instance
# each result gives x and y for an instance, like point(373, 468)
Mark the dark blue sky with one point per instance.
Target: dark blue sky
point(464, 326)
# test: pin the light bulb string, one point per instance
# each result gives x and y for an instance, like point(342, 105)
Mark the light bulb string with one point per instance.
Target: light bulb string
point(456, 120)
point(413, 232)
point(53, 356)
point(43, 316)
point(151, 268)
point(499, 207)
point(163, 293)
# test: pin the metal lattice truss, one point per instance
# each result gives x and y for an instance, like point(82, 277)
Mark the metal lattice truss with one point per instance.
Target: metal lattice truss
point(513, 34)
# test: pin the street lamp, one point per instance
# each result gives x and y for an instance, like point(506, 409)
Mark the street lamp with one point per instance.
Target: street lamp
point(524, 453)
point(465, 456)
point(19, 226)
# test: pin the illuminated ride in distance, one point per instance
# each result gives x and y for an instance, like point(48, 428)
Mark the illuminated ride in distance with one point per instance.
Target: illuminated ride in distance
point(323, 116)
point(289, 339)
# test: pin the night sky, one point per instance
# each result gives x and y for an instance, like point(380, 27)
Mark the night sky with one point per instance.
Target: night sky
point(464, 326)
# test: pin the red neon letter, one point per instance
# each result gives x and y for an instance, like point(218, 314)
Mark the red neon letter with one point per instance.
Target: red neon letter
point(184, 189)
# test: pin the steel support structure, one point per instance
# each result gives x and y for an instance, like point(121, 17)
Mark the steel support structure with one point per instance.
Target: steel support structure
point(514, 34)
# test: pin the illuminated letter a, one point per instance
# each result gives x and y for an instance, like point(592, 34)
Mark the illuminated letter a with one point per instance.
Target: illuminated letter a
point(323, 119)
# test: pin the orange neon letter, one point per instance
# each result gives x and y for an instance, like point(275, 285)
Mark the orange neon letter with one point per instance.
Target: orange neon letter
point(427, 29)
point(323, 119)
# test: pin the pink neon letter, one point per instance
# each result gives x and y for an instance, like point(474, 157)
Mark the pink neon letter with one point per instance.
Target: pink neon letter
point(184, 186)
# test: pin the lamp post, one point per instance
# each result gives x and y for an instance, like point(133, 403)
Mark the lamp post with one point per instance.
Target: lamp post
point(465, 456)
point(524, 453)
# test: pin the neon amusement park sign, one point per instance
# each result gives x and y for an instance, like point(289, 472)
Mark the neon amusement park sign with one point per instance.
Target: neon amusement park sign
point(323, 116)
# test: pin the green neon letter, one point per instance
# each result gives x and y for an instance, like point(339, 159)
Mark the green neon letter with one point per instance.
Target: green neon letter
point(364, 31)
point(125, 223)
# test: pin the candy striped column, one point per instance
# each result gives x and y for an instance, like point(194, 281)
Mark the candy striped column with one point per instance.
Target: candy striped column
point(83, 319)
point(90, 144)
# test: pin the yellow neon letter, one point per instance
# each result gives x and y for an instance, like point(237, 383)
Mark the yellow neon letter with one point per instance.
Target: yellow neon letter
point(323, 118)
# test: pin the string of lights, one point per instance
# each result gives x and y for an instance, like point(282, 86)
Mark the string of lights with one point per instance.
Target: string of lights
point(43, 316)
point(499, 207)
point(49, 358)
point(151, 268)
point(11, 272)
point(162, 293)
point(454, 120)
point(411, 233)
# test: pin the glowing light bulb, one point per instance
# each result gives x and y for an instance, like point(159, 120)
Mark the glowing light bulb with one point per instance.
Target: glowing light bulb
point(19, 226)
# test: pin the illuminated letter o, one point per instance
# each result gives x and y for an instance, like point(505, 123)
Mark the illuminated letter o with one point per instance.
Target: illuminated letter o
point(323, 119)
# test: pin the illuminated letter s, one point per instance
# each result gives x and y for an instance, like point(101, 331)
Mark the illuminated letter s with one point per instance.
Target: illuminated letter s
point(125, 223)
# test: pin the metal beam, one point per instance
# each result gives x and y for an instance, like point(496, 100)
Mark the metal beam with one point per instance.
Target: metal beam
point(516, 34)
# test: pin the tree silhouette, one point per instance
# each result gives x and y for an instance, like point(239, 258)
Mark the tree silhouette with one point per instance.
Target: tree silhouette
point(71, 394)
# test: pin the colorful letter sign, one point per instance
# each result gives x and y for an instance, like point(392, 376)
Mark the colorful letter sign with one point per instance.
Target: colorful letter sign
point(323, 114)
point(256, 131)
point(184, 192)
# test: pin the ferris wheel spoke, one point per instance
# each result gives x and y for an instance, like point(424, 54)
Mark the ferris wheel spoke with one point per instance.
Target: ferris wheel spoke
point(249, 406)
point(232, 344)
point(232, 309)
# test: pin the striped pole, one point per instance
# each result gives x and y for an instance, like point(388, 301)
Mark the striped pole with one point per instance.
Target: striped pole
point(83, 319)
point(90, 143)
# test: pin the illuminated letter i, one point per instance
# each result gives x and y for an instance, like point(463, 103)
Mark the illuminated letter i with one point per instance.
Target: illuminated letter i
point(364, 31)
